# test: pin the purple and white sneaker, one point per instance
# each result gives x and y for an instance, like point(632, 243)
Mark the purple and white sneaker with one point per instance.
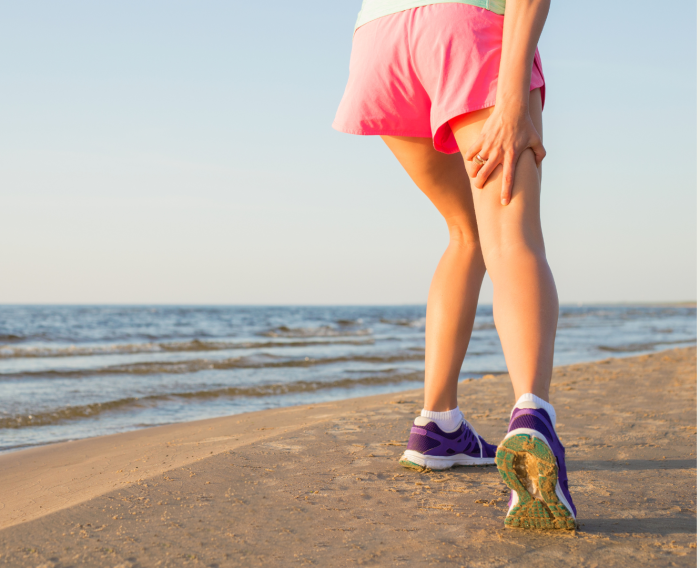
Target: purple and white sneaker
point(431, 447)
point(531, 461)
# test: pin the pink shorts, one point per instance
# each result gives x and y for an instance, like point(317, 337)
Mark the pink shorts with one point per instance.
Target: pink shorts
point(413, 71)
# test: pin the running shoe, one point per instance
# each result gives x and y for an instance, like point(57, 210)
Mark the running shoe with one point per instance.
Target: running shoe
point(431, 447)
point(531, 461)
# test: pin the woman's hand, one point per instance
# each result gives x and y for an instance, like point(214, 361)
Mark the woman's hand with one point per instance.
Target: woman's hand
point(504, 137)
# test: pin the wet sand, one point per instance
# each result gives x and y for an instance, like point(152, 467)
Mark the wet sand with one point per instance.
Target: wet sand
point(321, 485)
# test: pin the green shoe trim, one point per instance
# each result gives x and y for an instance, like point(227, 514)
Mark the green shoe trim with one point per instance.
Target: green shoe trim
point(411, 465)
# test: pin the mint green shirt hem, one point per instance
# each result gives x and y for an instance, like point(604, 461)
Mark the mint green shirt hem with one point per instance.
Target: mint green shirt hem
point(373, 9)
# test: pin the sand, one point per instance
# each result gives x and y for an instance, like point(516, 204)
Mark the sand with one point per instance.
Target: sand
point(321, 485)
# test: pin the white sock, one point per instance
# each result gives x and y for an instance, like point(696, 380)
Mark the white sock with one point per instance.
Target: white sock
point(447, 421)
point(529, 400)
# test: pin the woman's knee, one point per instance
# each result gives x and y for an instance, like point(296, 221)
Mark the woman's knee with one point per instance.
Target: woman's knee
point(516, 255)
point(464, 233)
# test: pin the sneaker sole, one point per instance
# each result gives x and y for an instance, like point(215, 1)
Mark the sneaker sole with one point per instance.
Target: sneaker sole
point(524, 461)
point(415, 460)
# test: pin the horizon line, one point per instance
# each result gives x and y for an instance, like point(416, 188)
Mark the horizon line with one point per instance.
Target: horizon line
point(688, 303)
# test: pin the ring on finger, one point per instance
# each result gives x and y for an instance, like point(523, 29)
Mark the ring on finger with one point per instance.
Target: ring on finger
point(479, 160)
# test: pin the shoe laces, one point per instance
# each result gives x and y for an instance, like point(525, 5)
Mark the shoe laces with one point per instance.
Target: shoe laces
point(478, 439)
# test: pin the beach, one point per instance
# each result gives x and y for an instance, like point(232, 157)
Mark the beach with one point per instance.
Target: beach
point(321, 485)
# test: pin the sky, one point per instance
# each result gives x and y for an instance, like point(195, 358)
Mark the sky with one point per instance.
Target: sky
point(181, 152)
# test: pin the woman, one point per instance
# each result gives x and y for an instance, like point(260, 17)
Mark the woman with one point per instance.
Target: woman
point(455, 90)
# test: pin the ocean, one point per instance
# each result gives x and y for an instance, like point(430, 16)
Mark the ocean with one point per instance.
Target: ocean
point(70, 372)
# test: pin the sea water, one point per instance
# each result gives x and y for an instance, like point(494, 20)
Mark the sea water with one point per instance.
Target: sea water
point(69, 372)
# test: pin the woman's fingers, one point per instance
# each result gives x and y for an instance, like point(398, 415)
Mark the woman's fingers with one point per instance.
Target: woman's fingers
point(540, 152)
point(475, 159)
point(473, 150)
point(500, 145)
point(472, 169)
point(508, 176)
point(486, 170)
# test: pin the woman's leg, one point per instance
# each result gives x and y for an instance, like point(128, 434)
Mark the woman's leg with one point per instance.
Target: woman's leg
point(455, 288)
point(525, 304)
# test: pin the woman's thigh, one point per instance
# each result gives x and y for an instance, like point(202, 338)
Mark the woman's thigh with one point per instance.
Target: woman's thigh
point(442, 178)
point(518, 223)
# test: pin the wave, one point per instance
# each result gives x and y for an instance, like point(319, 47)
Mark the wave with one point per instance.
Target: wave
point(322, 331)
point(648, 346)
point(484, 326)
point(94, 409)
point(263, 361)
point(347, 322)
point(420, 322)
point(161, 347)
point(10, 337)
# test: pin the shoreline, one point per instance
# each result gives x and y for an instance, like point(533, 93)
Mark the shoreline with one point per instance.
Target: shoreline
point(125, 369)
point(633, 418)
point(347, 395)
